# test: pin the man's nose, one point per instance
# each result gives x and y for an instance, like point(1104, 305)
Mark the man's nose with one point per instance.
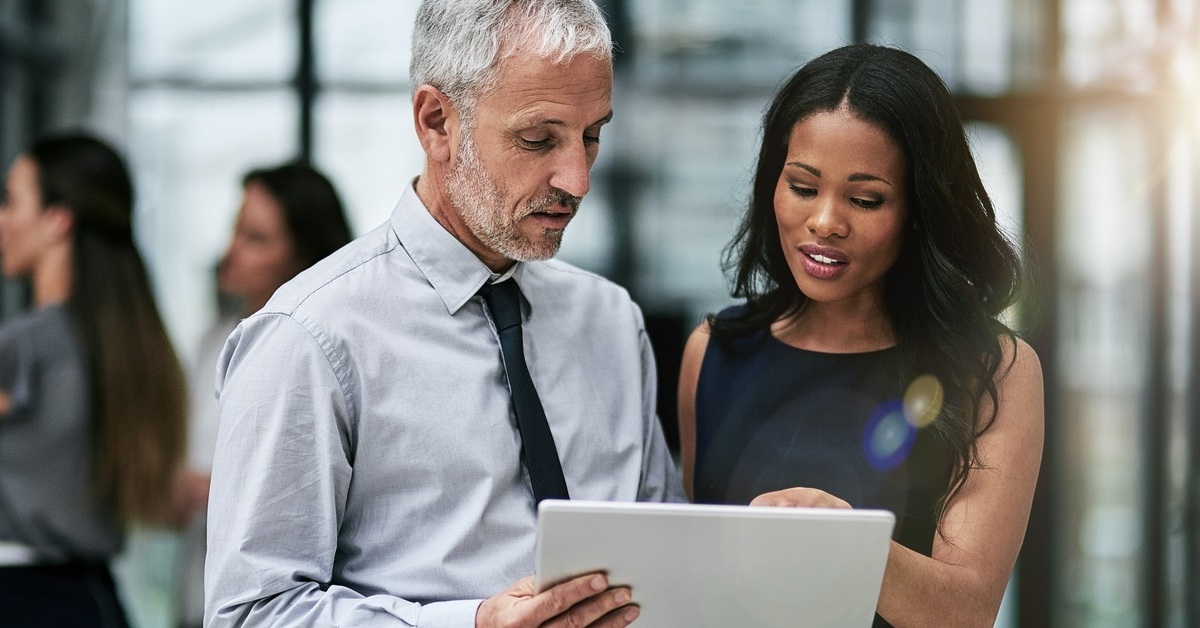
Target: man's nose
point(572, 171)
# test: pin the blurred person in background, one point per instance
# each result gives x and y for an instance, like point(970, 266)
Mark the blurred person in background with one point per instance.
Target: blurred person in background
point(869, 366)
point(92, 397)
point(291, 217)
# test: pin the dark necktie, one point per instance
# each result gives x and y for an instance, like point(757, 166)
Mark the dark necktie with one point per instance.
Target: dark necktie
point(537, 443)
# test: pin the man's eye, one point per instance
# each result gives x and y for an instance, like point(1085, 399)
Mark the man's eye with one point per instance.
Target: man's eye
point(591, 140)
point(534, 144)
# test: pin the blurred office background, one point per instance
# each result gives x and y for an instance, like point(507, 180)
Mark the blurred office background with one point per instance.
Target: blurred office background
point(1085, 115)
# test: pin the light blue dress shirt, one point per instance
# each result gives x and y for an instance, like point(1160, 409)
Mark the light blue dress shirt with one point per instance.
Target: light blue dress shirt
point(368, 471)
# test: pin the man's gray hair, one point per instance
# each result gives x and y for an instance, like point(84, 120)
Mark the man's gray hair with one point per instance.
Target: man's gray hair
point(458, 44)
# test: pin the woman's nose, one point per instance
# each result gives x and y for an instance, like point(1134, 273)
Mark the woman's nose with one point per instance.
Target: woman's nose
point(827, 221)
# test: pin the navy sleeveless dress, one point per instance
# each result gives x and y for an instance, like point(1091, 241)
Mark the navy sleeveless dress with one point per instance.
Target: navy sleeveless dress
point(770, 416)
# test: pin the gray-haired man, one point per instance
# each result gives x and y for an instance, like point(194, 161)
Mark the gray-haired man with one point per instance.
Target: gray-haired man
point(369, 467)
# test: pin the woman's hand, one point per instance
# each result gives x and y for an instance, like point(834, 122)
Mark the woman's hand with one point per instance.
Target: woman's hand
point(189, 499)
point(799, 497)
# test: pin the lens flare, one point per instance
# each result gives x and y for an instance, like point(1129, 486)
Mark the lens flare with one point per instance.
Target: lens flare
point(888, 437)
point(923, 401)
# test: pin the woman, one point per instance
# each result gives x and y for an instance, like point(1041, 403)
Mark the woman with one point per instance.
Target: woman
point(868, 366)
point(91, 394)
point(290, 218)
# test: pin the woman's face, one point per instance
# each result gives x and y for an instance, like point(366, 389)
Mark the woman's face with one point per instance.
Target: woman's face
point(261, 255)
point(26, 230)
point(840, 204)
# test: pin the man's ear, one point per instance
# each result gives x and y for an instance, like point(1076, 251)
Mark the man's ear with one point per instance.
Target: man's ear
point(436, 121)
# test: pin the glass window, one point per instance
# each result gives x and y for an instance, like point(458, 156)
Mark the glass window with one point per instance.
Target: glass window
point(189, 151)
point(365, 143)
point(364, 41)
point(1000, 168)
point(986, 47)
point(1118, 43)
point(698, 185)
point(969, 43)
point(216, 40)
point(1105, 248)
point(724, 46)
point(210, 99)
point(926, 28)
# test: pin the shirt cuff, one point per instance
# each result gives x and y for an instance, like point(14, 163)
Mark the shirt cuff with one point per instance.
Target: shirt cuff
point(452, 614)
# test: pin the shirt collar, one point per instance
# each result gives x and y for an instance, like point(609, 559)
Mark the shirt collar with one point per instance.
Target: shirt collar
point(451, 268)
point(497, 277)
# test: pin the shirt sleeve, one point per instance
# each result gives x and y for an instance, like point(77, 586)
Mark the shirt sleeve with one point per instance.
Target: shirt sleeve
point(660, 480)
point(280, 478)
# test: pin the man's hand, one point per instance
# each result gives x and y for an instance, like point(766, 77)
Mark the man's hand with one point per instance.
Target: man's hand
point(583, 601)
point(799, 497)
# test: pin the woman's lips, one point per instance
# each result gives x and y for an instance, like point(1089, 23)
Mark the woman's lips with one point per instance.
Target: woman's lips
point(823, 262)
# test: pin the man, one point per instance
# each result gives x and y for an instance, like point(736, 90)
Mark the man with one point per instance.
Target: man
point(370, 466)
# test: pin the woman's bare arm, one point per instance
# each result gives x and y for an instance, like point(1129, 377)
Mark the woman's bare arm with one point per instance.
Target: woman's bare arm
point(689, 373)
point(982, 529)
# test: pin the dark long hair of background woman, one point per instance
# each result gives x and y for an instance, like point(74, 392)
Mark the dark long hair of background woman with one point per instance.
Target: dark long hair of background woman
point(139, 396)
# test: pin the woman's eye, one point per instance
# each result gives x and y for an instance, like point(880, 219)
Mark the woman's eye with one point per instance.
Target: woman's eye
point(868, 203)
point(804, 192)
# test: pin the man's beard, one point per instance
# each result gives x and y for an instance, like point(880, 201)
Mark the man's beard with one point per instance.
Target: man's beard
point(480, 203)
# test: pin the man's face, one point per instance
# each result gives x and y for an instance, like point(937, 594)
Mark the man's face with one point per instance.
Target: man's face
point(523, 162)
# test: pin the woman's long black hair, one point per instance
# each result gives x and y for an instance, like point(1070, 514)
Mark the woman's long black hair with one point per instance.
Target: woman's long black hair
point(138, 391)
point(956, 272)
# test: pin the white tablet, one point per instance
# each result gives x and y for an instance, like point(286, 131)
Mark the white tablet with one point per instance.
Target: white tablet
point(695, 565)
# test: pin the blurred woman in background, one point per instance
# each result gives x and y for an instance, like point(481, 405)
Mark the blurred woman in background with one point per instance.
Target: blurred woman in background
point(92, 398)
point(291, 217)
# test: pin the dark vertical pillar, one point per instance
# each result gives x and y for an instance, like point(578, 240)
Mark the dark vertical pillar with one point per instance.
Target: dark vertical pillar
point(620, 23)
point(1192, 479)
point(860, 20)
point(1039, 582)
point(1155, 393)
point(1037, 576)
point(1035, 125)
point(622, 178)
point(623, 182)
point(306, 79)
point(39, 71)
point(1156, 408)
point(27, 81)
point(1191, 588)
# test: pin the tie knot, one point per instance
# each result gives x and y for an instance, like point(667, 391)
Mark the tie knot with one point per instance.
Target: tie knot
point(504, 301)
